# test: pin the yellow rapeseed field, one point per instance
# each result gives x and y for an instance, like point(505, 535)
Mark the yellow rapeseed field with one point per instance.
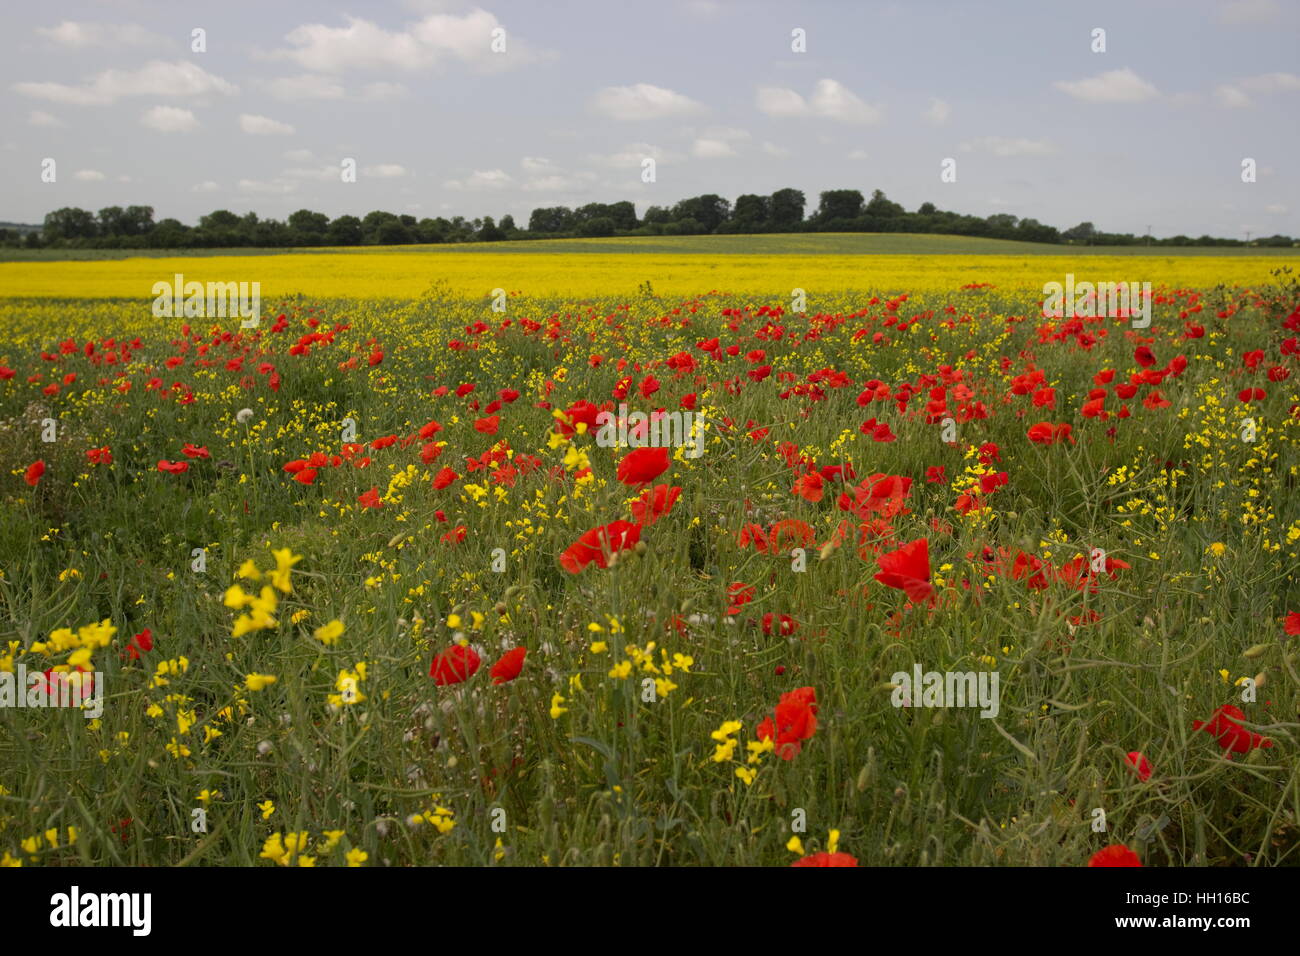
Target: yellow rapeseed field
point(346, 274)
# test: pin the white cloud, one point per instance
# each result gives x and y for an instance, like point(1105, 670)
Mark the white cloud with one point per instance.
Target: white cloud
point(536, 164)
point(384, 171)
point(169, 119)
point(88, 176)
point(207, 186)
point(559, 184)
point(1245, 12)
point(481, 179)
point(306, 86)
point(320, 174)
point(156, 78)
point(1271, 83)
point(938, 112)
point(633, 154)
point(274, 186)
point(298, 155)
point(1230, 97)
point(779, 102)
point(830, 100)
point(772, 149)
point(858, 154)
point(41, 118)
point(383, 91)
point(79, 36)
point(362, 44)
point(643, 101)
point(1000, 146)
point(263, 125)
point(712, 149)
point(1113, 86)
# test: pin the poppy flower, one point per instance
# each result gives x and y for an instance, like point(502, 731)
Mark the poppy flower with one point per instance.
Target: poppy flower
point(1117, 854)
point(34, 472)
point(456, 664)
point(1045, 433)
point(599, 545)
point(826, 859)
point(783, 623)
point(195, 451)
point(370, 499)
point(654, 503)
point(488, 425)
point(509, 666)
point(173, 467)
point(908, 570)
point(306, 476)
point(1139, 765)
point(444, 478)
point(793, 722)
point(1226, 727)
point(642, 466)
point(1291, 625)
point(809, 486)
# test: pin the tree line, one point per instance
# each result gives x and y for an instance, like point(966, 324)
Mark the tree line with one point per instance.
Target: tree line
point(784, 211)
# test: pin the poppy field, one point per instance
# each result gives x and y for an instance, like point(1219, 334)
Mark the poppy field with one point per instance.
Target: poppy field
point(401, 579)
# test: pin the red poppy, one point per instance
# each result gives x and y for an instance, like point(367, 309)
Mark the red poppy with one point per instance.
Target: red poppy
point(34, 472)
point(826, 859)
point(1117, 854)
point(599, 545)
point(643, 466)
point(173, 467)
point(1226, 727)
point(306, 476)
point(195, 451)
point(1139, 765)
point(458, 663)
point(444, 477)
point(809, 486)
point(1045, 433)
point(509, 666)
point(140, 642)
point(370, 499)
point(908, 569)
point(488, 425)
point(794, 721)
point(1291, 624)
point(654, 503)
point(784, 623)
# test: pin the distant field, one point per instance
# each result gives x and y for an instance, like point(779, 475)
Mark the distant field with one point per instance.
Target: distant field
point(587, 269)
point(820, 244)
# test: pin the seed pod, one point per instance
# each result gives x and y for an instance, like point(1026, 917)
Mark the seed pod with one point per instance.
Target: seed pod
point(1253, 652)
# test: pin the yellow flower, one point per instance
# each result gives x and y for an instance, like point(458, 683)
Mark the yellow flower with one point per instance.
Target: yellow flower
point(236, 598)
point(833, 841)
point(257, 682)
point(747, 775)
point(728, 728)
point(356, 857)
point(267, 807)
point(556, 709)
point(1217, 549)
point(329, 633)
point(795, 846)
point(620, 670)
point(248, 571)
point(599, 647)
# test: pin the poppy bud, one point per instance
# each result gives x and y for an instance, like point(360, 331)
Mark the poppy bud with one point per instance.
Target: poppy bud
point(500, 607)
point(1253, 652)
point(641, 548)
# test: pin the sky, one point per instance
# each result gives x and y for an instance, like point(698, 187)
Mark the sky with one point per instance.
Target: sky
point(1149, 133)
